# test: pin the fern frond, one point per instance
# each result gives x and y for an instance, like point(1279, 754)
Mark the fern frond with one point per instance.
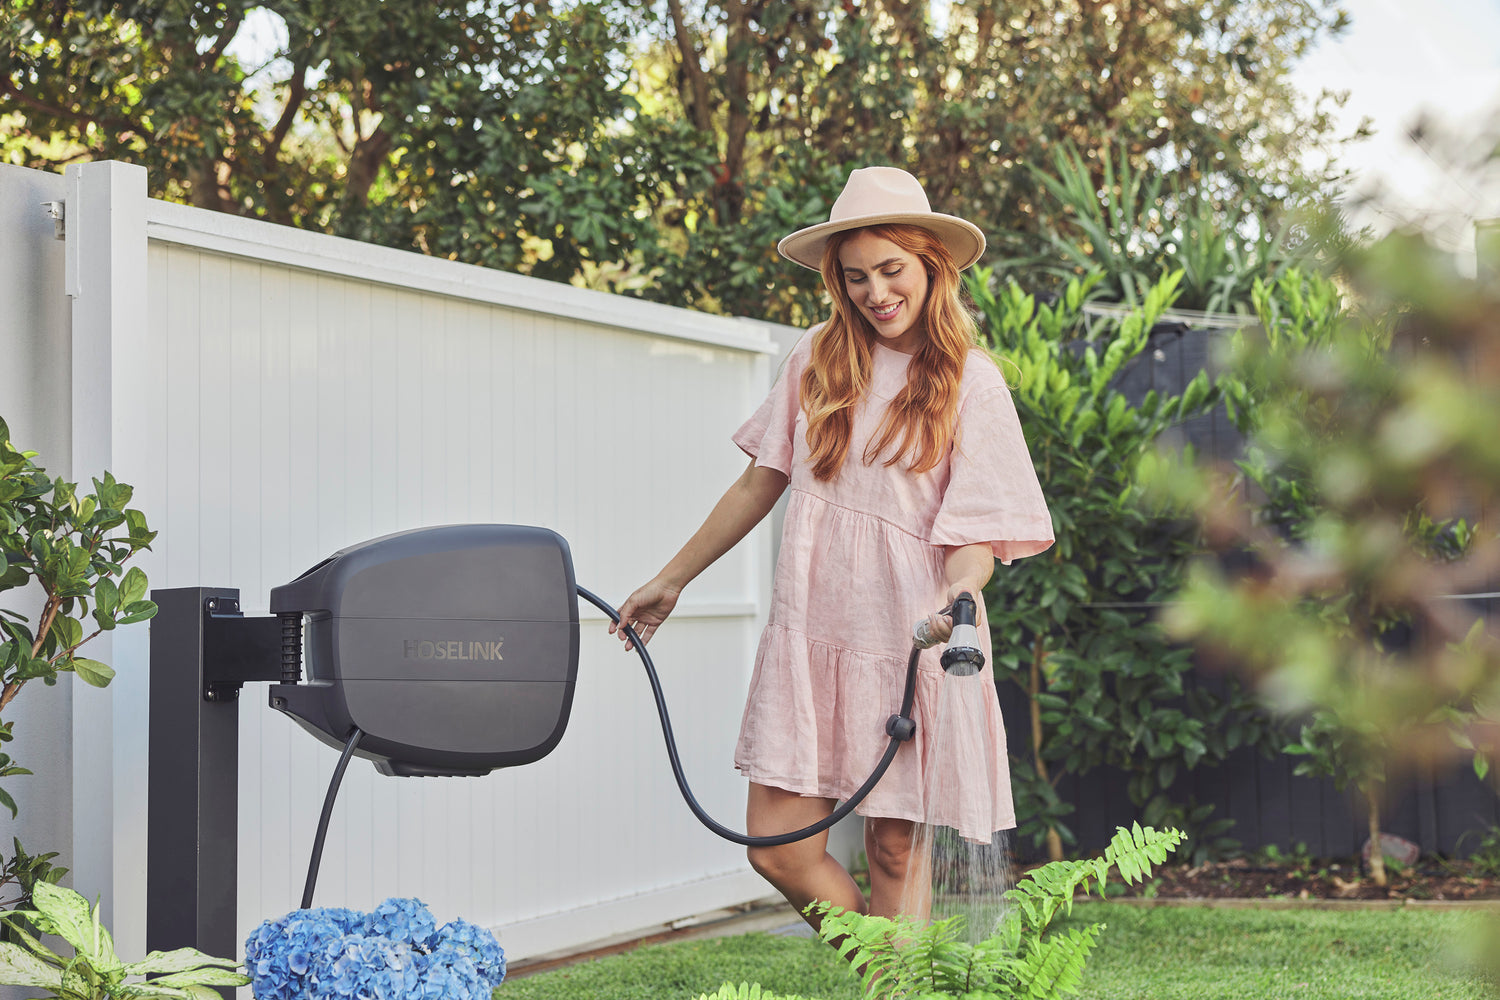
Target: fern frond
point(1136, 851)
point(887, 949)
point(1041, 894)
point(911, 960)
point(1054, 965)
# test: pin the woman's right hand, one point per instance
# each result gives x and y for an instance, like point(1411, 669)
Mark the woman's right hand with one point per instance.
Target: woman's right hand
point(644, 611)
point(741, 508)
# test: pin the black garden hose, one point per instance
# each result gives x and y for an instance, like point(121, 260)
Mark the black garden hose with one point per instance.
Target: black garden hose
point(899, 727)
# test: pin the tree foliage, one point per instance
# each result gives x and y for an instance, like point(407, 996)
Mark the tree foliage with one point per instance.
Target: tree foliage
point(656, 149)
point(967, 95)
point(496, 133)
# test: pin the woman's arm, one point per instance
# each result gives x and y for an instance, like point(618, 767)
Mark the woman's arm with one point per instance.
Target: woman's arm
point(741, 508)
point(966, 568)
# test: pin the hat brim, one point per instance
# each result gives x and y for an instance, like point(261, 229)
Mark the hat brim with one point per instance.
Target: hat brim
point(964, 240)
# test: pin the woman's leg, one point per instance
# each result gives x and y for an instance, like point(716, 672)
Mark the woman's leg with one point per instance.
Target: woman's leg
point(896, 849)
point(803, 871)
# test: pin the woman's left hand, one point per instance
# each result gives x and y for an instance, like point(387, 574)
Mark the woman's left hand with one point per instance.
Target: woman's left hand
point(939, 628)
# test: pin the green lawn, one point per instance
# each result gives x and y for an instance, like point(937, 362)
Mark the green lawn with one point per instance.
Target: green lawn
point(1163, 953)
point(1171, 953)
point(682, 970)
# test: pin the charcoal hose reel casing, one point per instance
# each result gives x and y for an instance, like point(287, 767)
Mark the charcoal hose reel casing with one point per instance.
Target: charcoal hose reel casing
point(454, 649)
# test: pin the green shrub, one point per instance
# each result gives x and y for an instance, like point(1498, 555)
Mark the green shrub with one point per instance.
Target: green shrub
point(73, 548)
point(1073, 629)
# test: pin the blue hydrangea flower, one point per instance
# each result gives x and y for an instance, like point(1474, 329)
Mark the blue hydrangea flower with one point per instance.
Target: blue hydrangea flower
point(395, 952)
point(479, 944)
point(402, 920)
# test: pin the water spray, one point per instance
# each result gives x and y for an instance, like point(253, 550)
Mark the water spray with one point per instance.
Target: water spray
point(956, 875)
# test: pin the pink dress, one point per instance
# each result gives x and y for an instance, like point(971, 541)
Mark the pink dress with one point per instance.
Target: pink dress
point(861, 561)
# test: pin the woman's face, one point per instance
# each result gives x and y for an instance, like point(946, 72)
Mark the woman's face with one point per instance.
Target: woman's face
point(889, 286)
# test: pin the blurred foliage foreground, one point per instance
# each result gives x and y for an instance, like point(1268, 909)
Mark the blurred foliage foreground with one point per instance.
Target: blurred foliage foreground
point(1361, 509)
point(1327, 561)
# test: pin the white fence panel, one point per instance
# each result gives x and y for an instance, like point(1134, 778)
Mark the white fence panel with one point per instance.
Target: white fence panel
point(297, 412)
point(290, 394)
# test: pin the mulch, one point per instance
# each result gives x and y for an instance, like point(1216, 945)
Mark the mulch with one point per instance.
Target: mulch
point(1429, 879)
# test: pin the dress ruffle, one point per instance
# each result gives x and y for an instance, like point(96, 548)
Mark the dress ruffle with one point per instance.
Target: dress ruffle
point(815, 724)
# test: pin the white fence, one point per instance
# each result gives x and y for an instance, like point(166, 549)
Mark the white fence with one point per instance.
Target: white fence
point(275, 395)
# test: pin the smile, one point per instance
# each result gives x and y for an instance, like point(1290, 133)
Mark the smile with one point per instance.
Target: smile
point(885, 312)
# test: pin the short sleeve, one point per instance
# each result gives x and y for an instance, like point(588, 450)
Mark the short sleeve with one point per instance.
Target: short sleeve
point(767, 436)
point(992, 494)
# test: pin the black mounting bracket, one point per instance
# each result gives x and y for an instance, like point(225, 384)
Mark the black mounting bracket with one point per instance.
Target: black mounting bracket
point(237, 649)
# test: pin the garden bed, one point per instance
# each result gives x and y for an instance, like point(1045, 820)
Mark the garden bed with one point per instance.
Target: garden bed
point(1246, 878)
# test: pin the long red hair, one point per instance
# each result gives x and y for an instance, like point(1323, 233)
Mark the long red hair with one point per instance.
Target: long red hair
point(922, 415)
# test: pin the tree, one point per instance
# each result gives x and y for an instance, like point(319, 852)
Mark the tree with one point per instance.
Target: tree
point(967, 95)
point(660, 155)
point(498, 132)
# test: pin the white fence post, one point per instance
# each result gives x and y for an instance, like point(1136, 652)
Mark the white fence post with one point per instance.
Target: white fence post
point(106, 279)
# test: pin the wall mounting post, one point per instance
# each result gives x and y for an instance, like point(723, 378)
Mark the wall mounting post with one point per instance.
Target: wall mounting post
point(202, 650)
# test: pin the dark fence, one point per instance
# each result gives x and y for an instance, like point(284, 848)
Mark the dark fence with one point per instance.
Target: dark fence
point(1442, 811)
point(1175, 353)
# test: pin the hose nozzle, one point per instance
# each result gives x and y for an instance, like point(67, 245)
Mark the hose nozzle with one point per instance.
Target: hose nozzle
point(962, 656)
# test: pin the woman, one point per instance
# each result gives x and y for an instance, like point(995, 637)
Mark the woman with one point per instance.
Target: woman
point(909, 477)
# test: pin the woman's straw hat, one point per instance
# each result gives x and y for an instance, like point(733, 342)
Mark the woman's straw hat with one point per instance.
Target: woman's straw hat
point(875, 196)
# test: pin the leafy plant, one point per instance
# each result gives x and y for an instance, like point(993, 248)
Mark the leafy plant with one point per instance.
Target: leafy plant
point(20, 875)
point(1025, 957)
point(1298, 858)
point(1204, 837)
point(74, 548)
point(1040, 812)
point(1073, 629)
point(1486, 855)
point(95, 972)
point(1131, 225)
point(745, 991)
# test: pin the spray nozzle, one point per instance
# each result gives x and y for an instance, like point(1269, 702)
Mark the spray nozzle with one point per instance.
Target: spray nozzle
point(962, 656)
